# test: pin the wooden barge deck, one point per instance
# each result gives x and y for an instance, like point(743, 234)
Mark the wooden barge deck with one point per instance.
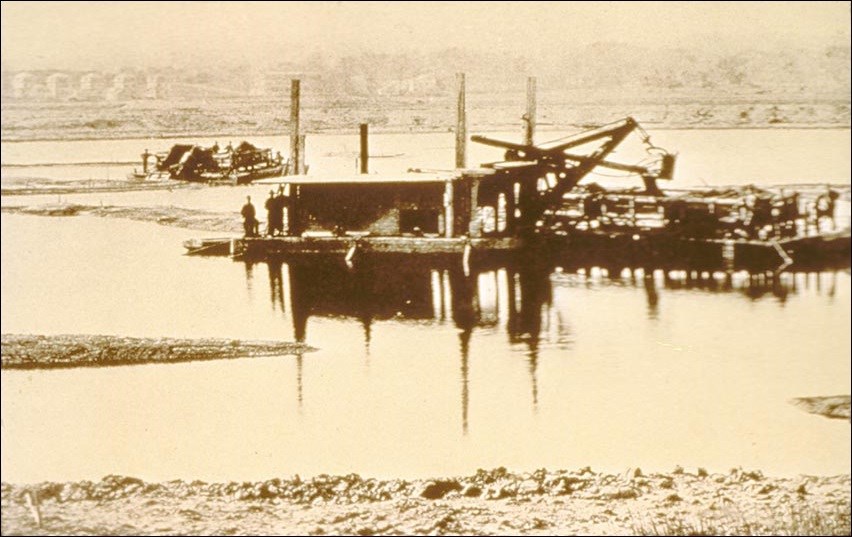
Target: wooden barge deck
point(672, 252)
point(575, 250)
point(261, 247)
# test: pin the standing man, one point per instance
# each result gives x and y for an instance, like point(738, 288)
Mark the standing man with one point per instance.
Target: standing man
point(791, 214)
point(825, 207)
point(249, 219)
point(271, 224)
point(280, 204)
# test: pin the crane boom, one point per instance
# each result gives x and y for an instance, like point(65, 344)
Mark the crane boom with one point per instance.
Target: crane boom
point(529, 162)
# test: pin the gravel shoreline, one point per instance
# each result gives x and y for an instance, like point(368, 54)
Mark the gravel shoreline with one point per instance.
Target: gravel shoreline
point(488, 502)
point(64, 351)
point(835, 406)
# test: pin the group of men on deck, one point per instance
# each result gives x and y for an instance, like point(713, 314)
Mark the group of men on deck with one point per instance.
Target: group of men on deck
point(275, 205)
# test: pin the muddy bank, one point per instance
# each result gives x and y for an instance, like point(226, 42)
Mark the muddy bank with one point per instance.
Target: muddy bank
point(167, 216)
point(64, 351)
point(35, 186)
point(837, 406)
point(489, 502)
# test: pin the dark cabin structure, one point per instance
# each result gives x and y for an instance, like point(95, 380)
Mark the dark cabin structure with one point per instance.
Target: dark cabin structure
point(410, 213)
point(467, 203)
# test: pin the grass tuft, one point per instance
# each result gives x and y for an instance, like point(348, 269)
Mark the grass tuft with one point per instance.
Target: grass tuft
point(807, 521)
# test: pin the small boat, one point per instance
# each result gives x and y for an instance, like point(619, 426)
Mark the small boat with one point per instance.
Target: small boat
point(214, 246)
point(136, 175)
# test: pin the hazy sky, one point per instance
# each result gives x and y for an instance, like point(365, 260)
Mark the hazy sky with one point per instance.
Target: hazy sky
point(79, 35)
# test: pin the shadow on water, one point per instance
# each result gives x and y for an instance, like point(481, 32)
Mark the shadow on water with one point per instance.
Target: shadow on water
point(509, 296)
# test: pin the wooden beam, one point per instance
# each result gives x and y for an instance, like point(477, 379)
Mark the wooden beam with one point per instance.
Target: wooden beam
point(461, 125)
point(365, 152)
point(529, 117)
point(303, 167)
point(449, 213)
point(295, 157)
point(474, 225)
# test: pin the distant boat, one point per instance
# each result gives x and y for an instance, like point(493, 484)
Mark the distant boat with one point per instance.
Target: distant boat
point(240, 165)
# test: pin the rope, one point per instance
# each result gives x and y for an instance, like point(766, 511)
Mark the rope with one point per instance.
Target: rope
point(628, 174)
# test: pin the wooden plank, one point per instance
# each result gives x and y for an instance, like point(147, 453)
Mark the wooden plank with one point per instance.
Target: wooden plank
point(303, 167)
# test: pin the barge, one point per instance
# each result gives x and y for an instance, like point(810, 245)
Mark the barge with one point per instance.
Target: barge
point(229, 165)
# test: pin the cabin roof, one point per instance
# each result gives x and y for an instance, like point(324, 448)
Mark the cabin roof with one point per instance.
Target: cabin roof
point(401, 178)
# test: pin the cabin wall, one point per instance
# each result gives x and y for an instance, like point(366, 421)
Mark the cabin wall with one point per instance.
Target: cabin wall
point(381, 209)
point(462, 203)
point(491, 208)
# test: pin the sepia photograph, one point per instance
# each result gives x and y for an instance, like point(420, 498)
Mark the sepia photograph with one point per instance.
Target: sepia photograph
point(426, 268)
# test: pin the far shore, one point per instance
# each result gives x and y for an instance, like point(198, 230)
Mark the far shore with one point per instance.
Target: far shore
point(100, 137)
point(557, 112)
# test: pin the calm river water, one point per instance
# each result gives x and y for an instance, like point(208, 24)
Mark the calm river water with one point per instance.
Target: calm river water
point(418, 371)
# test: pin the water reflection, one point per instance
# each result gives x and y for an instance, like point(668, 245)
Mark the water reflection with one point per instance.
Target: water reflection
point(651, 296)
point(427, 293)
point(518, 297)
point(276, 286)
point(249, 275)
point(510, 297)
point(751, 286)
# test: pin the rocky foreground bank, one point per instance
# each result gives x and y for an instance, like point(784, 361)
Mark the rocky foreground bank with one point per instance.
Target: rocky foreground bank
point(489, 502)
point(82, 350)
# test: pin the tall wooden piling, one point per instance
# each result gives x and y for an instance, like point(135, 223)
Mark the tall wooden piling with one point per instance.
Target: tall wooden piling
point(449, 211)
point(529, 117)
point(295, 157)
point(303, 168)
point(461, 125)
point(365, 151)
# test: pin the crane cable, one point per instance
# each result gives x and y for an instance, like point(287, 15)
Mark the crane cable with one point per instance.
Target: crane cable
point(628, 174)
point(646, 139)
